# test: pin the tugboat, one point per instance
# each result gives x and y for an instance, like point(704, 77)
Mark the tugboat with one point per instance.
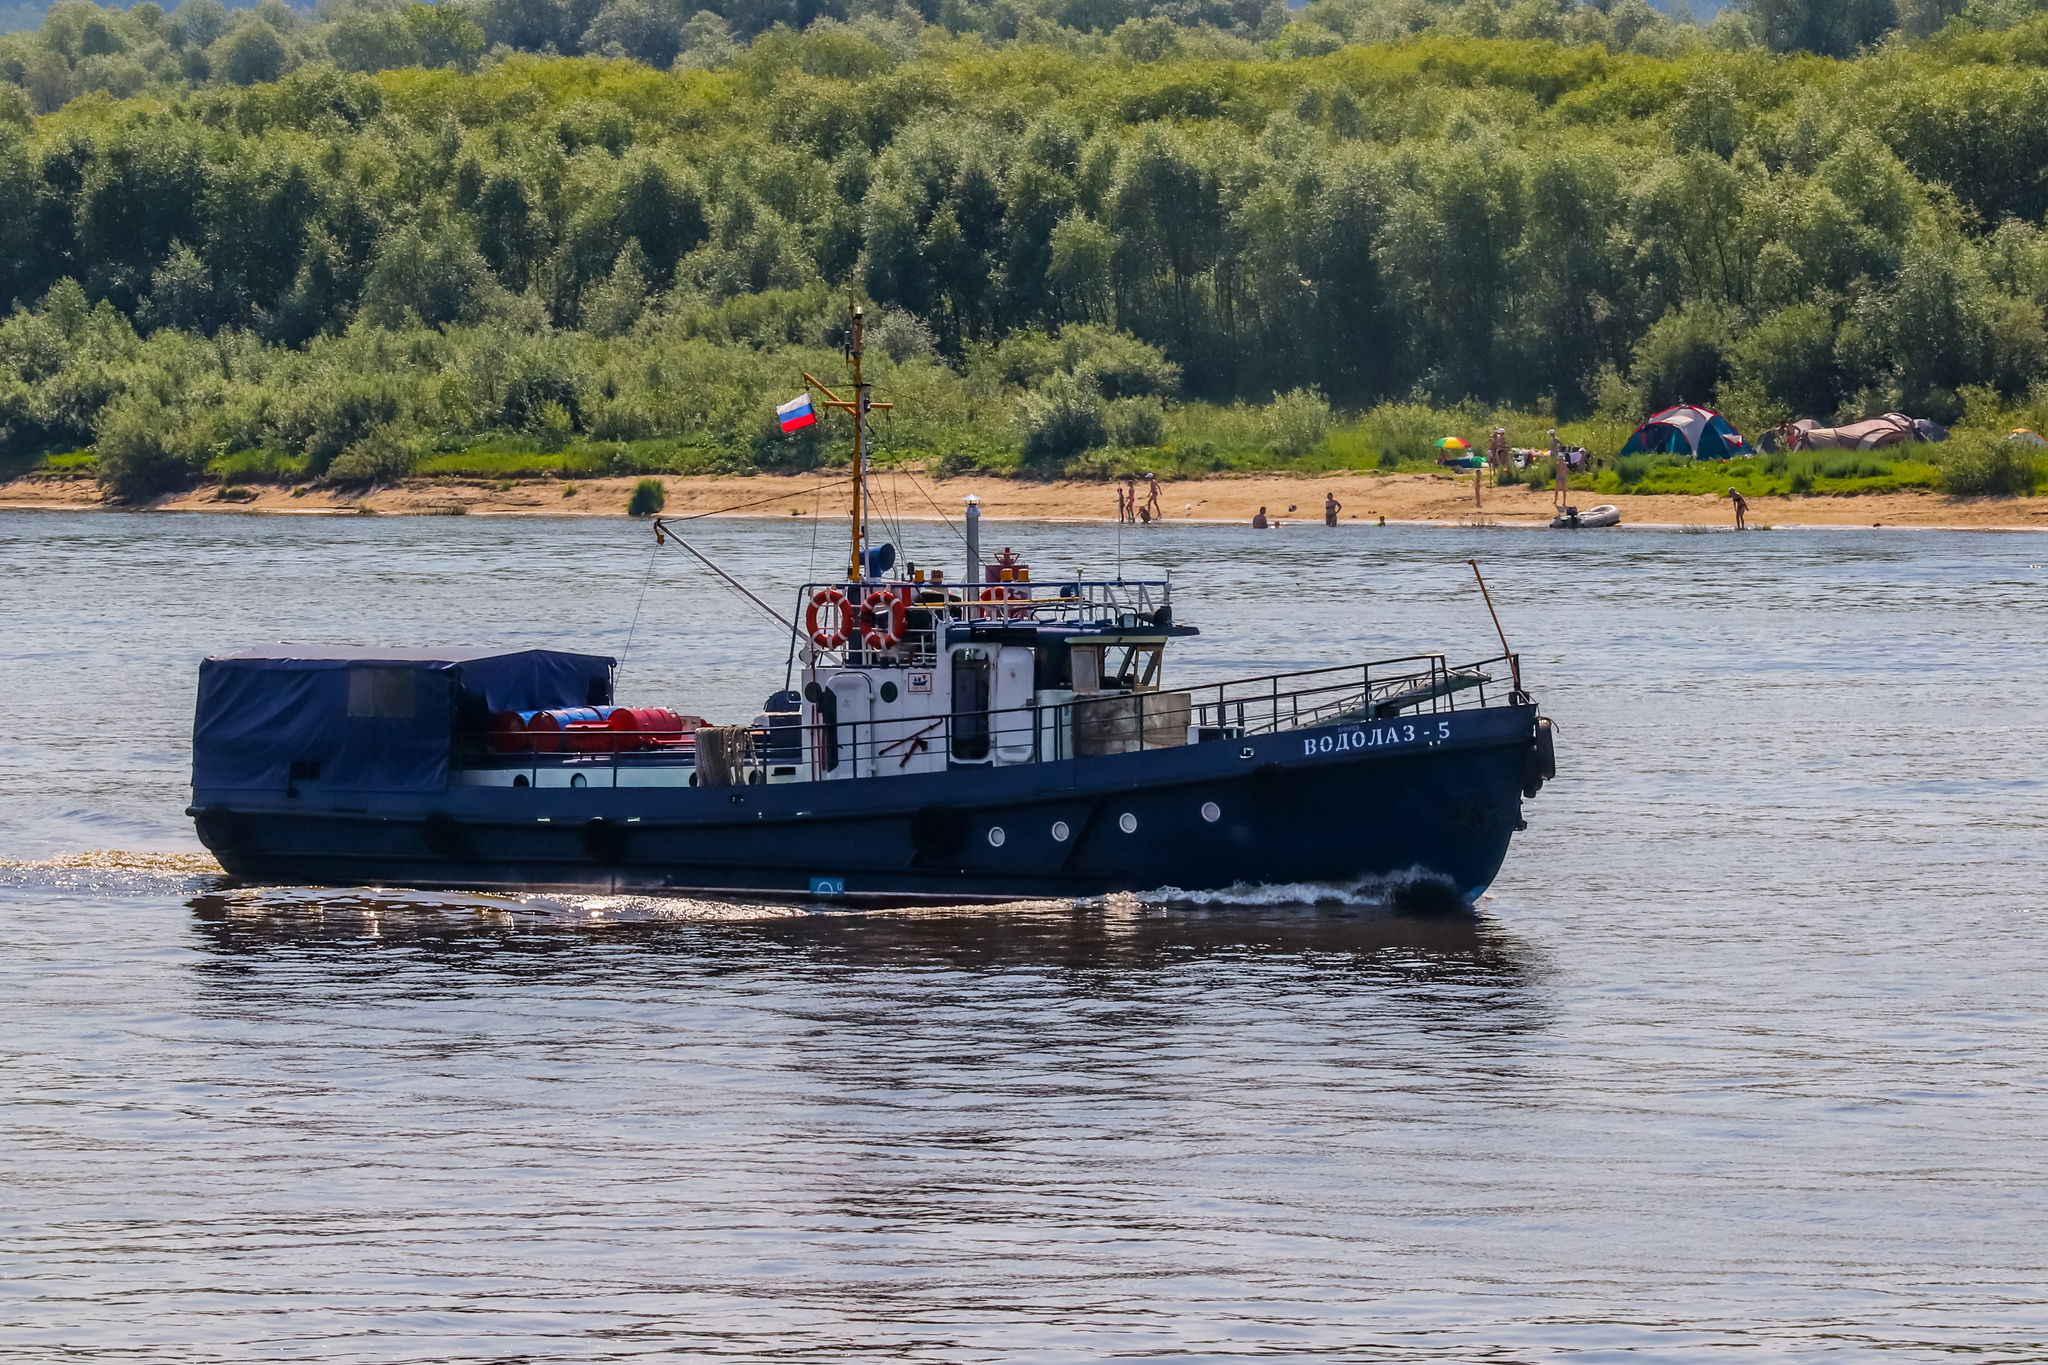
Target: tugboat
point(988, 740)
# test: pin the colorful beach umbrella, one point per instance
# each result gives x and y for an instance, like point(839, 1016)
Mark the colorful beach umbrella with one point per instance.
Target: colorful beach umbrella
point(1453, 443)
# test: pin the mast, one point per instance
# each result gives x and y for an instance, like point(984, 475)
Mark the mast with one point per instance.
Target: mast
point(858, 407)
point(860, 431)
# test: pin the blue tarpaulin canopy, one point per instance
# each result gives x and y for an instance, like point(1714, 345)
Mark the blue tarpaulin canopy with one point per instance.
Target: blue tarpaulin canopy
point(367, 719)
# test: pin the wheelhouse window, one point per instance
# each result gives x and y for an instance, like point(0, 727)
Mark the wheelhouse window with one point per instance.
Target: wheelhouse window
point(1133, 668)
point(1087, 668)
point(1117, 668)
point(828, 726)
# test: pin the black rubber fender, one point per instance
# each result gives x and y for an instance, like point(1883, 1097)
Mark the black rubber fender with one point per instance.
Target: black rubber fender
point(604, 841)
point(219, 828)
point(1542, 765)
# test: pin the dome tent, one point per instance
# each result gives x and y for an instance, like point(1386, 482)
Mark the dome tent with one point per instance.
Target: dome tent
point(1873, 433)
point(1687, 430)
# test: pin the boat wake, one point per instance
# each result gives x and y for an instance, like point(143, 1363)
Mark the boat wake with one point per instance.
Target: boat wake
point(1414, 889)
point(643, 909)
point(118, 860)
point(117, 871)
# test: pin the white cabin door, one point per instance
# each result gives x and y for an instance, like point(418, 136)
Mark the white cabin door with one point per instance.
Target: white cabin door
point(1012, 722)
point(855, 730)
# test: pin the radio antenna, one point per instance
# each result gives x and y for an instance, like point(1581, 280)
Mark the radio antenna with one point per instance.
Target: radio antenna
point(1514, 662)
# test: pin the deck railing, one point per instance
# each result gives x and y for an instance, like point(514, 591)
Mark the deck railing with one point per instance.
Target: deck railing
point(1124, 602)
point(1085, 726)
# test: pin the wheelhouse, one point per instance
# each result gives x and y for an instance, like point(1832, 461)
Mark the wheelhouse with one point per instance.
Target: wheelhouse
point(922, 677)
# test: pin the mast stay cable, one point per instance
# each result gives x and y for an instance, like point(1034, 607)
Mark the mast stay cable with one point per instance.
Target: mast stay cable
point(647, 577)
point(663, 533)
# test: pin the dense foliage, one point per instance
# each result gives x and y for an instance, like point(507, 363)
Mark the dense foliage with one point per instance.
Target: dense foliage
point(1070, 242)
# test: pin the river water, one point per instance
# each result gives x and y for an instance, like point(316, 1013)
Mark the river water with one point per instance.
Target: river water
point(1744, 1057)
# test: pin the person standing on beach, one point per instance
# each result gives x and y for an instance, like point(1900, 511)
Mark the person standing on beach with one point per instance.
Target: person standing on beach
point(1564, 475)
point(1119, 506)
point(1741, 509)
point(1152, 498)
point(1331, 507)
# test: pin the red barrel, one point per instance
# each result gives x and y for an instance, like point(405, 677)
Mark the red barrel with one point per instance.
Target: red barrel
point(650, 727)
point(508, 732)
point(571, 729)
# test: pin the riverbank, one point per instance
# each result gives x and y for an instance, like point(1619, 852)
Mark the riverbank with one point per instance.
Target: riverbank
point(1289, 500)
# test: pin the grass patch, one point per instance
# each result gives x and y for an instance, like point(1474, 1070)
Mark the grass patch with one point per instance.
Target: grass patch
point(506, 464)
point(72, 464)
point(520, 459)
point(1779, 475)
point(258, 466)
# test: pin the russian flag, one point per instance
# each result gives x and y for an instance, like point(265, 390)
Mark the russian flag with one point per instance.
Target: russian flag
point(796, 414)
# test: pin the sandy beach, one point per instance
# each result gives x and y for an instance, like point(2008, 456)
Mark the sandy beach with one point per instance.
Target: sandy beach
point(1289, 500)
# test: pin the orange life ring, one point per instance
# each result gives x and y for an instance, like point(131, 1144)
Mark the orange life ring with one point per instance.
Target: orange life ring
point(885, 614)
point(843, 618)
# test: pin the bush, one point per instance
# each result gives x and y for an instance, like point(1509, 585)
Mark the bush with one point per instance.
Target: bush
point(379, 457)
point(327, 418)
point(1629, 470)
point(141, 452)
point(649, 497)
point(960, 460)
point(553, 426)
point(1299, 421)
point(1406, 431)
point(1061, 420)
point(1109, 362)
point(1136, 422)
point(1977, 464)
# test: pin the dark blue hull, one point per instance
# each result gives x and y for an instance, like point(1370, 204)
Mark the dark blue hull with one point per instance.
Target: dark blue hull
point(1432, 798)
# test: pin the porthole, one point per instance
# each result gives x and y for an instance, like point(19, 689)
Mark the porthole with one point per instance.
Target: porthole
point(996, 836)
point(520, 781)
point(1127, 822)
point(888, 691)
point(1060, 831)
point(1211, 812)
point(579, 780)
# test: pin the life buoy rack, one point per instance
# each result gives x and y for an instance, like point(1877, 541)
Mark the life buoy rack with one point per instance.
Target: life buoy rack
point(884, 615)
point(877, 622)
point(843, 619)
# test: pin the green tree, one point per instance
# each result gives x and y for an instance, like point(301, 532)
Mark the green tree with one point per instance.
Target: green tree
point(444, 36)
point(438, 279)
point(1789, 358)
point(1831, 28)
point(1684, 356)
point(255, 54)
